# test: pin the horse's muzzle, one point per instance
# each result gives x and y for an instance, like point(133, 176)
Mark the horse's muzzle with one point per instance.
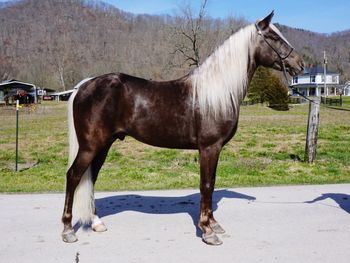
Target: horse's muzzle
point(295, 68)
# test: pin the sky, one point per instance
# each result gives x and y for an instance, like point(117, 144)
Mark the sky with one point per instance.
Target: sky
point(322, 16)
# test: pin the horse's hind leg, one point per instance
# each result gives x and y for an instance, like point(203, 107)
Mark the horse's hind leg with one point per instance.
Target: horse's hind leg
point(74, 175)
point(97, 224)
point(208, 162)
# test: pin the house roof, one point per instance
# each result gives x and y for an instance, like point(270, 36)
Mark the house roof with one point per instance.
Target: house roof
point(15, 84)
point(318, 70)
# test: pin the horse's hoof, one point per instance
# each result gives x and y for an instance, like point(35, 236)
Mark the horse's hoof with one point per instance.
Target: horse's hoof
point(217, 228)
point(69, 236)
point(211, 239)
point(99, 227)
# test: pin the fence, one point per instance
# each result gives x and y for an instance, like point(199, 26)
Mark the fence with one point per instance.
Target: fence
point(332, 102)
point(291, 100)
point(251, 102)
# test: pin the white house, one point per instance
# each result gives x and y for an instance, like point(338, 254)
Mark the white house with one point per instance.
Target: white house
point(311, 82)
point(346, 89)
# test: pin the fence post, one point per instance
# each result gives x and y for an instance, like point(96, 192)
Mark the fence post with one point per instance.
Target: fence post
point(17, 108)
point(312, 130)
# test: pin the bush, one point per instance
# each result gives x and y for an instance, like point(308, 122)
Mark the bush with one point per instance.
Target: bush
point(267, 87)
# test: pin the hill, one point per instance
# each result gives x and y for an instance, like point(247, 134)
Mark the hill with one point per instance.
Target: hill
point(312, 45)
point(57, 43)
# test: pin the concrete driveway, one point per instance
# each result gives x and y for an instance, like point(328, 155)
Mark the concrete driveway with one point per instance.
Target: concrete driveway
point(265, 224)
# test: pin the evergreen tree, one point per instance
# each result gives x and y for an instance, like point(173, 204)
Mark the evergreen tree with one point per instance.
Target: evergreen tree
point(267, 87)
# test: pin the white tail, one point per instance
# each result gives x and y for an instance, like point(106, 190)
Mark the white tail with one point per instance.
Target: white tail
point(84, 201)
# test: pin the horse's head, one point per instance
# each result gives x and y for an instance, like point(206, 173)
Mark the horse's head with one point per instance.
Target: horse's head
point(273, 49)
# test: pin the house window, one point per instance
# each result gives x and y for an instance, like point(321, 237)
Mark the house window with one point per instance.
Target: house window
point(312, 78)
point(295, 79)
point(335, 79)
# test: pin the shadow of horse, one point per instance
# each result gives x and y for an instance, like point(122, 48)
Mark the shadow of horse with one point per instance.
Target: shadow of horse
point(188, 204)
point(343, 200)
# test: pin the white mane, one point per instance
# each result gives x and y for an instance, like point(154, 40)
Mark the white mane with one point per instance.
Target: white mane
point(220, 83)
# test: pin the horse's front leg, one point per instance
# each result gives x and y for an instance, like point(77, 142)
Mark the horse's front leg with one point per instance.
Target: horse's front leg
point(208, 162)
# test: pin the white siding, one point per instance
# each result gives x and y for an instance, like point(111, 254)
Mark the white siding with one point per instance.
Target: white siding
point(331, 79)
point(302, 80)
point(319, 79)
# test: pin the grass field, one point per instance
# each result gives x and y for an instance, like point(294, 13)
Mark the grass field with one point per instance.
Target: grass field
point(259, 154)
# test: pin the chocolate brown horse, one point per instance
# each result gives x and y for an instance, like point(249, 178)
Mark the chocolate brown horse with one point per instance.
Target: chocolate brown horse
point(198, 111)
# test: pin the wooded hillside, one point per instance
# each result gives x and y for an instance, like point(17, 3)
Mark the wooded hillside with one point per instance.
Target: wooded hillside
point(312, 45)
point(56, 43)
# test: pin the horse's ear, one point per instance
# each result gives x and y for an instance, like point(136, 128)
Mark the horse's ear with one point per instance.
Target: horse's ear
point(263, 24)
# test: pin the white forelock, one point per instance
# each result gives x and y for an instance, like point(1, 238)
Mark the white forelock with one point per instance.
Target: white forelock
point(220, 83)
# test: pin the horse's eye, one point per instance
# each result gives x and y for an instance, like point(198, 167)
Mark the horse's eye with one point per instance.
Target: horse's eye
point(275, 37)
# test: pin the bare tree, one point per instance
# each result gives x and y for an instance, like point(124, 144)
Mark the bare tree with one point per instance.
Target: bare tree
point(6, 69)
point(188, 34)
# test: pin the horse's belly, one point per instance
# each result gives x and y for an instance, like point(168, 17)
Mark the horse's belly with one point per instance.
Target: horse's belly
point(164, 132)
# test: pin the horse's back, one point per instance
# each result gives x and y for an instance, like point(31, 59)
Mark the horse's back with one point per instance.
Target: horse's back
point(160, 112)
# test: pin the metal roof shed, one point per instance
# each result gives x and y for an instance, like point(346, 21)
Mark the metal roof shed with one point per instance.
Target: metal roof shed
point(7, 86)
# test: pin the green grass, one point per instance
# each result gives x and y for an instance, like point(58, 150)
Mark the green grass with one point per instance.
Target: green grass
point(259, 154)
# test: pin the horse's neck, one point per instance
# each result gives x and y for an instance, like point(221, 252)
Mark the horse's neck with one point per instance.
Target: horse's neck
point(252, 66)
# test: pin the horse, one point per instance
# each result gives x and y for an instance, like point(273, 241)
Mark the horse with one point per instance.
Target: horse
point(198, 111)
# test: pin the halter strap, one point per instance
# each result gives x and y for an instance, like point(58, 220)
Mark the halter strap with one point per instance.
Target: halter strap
point(282, 62)
point(272, 47)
